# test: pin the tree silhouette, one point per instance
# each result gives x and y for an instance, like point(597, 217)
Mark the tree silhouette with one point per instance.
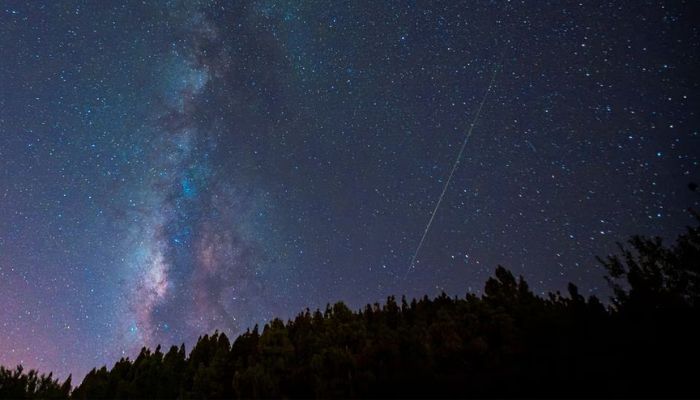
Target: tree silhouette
point(651, 276)
point(17, 384)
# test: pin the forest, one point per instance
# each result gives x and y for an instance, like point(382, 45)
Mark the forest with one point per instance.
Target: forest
point(509, 342)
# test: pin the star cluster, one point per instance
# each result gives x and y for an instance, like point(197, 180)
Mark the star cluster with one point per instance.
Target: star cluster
point(175, 167)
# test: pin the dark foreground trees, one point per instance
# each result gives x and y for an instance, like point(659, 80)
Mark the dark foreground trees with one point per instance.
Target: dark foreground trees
point(508, 342)
point(17, 384)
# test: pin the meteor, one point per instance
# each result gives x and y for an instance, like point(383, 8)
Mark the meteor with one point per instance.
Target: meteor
point(454, 168)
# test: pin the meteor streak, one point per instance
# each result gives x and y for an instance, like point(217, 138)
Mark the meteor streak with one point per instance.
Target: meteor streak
point(454, 167)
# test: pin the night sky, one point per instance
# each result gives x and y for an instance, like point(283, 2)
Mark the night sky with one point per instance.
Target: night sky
point(171, 168)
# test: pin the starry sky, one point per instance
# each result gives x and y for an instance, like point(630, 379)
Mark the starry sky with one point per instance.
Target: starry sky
point(168, 168)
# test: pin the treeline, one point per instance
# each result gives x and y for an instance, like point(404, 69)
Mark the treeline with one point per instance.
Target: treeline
point(17, 384)
point(508, 342)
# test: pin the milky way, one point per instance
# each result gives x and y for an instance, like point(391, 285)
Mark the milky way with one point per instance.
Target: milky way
point(170, 168)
